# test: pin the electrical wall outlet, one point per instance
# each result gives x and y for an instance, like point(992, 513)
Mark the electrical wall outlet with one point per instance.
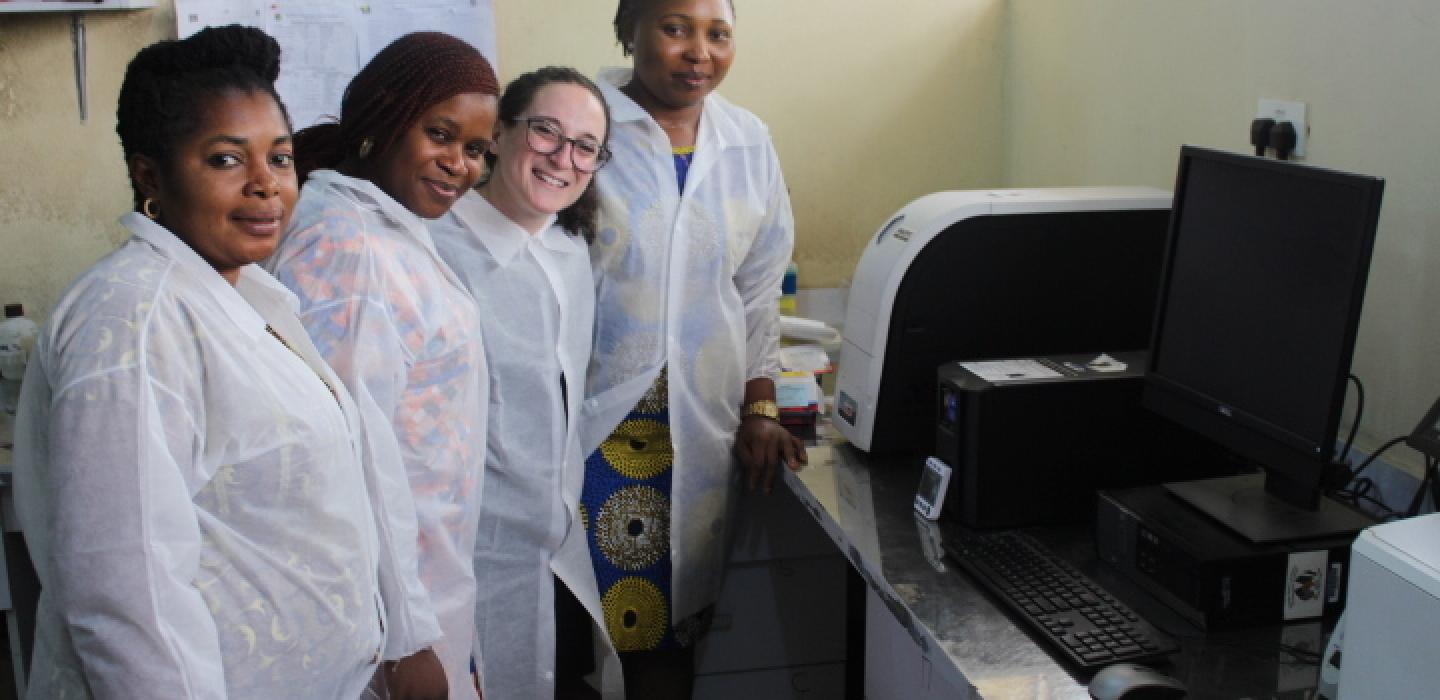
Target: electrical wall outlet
point(1287, 111)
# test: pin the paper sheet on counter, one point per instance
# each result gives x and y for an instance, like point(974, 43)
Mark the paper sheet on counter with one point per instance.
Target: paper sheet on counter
point(1010, 370)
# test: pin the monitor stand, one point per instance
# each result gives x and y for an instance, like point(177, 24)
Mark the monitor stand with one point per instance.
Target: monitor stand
point(1241, 503)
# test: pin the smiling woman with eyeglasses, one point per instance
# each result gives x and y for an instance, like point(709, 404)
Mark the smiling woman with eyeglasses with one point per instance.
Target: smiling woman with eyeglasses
point(546, 135)
point(522, 252)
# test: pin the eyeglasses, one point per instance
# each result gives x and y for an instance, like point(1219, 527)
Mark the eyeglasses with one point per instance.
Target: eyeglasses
point(545, 137)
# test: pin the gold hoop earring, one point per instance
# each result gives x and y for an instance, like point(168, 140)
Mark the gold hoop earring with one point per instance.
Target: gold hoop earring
point(365, 146)
point(146, 210)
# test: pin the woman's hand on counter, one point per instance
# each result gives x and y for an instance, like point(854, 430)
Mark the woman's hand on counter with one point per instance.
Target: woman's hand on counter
point(762, 445)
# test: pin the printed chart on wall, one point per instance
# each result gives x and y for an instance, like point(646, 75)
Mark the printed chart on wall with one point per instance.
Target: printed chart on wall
point(324, 43)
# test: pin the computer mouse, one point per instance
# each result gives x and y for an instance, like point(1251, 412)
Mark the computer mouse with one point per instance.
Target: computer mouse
point(1134, 682)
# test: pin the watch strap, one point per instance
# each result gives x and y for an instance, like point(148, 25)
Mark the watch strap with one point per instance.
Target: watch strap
point(763, 407)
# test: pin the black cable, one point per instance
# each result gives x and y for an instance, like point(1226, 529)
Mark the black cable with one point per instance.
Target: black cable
point(1283, 139)
point(1434, 469)
point(1304, 656)
point(1369, 460)
point(1357, 488)
point(1419, 496)
point(1260, 134)
point(1426, 484)
point(1361, 492)
point(1359, 413)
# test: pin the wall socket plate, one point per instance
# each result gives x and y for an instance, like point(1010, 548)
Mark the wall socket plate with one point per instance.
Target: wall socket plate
point(1287, 111)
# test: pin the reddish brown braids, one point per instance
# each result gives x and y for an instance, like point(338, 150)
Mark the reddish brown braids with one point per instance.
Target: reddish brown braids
point(412, 74)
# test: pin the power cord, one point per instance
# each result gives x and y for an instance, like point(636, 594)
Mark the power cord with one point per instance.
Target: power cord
point(1355, 488)
point(1260, 134)
point(1283, 139)
point(1376, 454)
point(1430, 483)
point(1359, 413)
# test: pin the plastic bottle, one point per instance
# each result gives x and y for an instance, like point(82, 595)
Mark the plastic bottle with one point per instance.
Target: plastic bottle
point(788, 286)
point(17, 338)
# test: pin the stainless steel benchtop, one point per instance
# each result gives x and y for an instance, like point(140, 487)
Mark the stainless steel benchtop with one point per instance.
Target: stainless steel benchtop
point(864, 504)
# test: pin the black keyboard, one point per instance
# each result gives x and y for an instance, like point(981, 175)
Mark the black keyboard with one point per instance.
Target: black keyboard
point(1073, 613)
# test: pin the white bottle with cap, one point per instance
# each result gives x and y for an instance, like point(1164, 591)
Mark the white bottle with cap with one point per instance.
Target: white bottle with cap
point(17, 339)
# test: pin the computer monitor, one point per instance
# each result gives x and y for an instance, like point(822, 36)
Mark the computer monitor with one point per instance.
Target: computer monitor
point(1260, 301)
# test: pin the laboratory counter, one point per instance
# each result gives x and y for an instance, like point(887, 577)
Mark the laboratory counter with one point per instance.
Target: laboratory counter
point(962, 644)
point(929, 632)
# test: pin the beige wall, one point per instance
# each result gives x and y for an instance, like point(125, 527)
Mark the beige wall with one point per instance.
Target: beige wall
point(1106, 91)
point(875, 103)
point(844, 90)
point(62, 183)
point(847, 87)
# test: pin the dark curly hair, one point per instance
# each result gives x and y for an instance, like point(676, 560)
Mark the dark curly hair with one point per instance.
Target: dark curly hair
point(168, 85)
point(578, 219)
point(627, 13)
point(412, 74)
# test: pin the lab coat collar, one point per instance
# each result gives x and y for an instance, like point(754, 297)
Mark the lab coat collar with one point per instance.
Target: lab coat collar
point(368, 195)
point(717, 124)
point(503, 238)
point(251, 277)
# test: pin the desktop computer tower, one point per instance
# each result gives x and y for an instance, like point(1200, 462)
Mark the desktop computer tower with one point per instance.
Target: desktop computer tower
point(1030, 440)
point(1210, 575)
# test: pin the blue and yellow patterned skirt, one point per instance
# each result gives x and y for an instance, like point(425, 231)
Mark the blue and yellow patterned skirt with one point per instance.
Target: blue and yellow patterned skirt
point(625, 507)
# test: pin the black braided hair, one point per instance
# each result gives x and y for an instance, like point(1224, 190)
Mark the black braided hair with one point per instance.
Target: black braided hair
point(578, 219)
point(168, 85)
point(412, 74)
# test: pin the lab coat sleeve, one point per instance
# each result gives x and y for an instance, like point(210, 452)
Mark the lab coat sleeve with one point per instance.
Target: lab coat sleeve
point(120, 538)
point(760, 272)
point(341, 283)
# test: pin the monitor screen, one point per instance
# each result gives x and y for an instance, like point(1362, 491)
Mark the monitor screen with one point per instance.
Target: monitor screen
point(1263, 285)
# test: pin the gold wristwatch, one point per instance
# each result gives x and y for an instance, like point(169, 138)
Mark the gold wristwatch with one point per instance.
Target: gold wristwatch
point(763, 407)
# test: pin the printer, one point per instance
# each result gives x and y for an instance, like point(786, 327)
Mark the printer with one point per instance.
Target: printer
point(1393, 614)
point(982, 274)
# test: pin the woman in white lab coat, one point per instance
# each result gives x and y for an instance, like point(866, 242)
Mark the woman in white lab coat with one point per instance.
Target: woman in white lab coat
point(397, 324)
point(522, 252)
point(695, 234)
point(186, 472)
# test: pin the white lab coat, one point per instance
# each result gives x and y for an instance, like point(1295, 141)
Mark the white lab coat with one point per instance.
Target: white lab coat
point(190, 491)
point(691, 282)
point(537, 310)
point(404, 335)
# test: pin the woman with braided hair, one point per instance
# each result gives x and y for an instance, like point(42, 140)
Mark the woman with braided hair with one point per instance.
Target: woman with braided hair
point(400, 329)
point(186, 474)
point(695, 233)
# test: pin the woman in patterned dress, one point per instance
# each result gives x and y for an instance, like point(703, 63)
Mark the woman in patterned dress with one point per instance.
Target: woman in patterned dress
point(695, 233)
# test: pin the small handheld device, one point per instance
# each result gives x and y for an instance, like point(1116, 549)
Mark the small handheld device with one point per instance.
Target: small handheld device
point(934, 481)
